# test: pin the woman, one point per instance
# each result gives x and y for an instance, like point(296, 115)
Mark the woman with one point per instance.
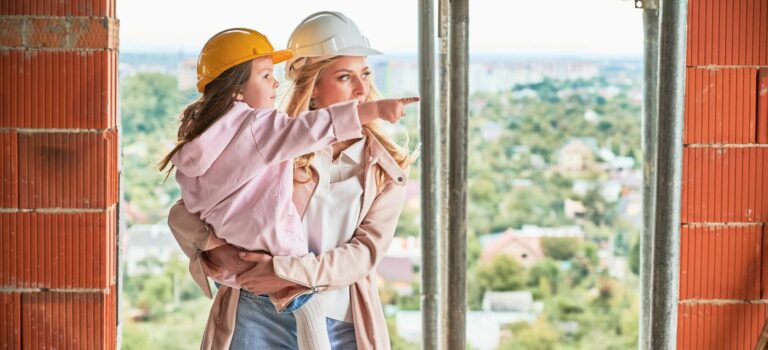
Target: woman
point(349, 196)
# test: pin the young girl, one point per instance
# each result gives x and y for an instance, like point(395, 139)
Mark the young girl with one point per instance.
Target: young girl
point(235, 151)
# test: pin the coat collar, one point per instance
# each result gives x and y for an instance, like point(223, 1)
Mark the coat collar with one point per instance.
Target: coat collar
point(377, 154)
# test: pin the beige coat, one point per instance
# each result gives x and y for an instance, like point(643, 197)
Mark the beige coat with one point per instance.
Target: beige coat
point(352, 264)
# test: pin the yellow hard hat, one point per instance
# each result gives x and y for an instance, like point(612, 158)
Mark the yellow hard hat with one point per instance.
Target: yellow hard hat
point(231, 47)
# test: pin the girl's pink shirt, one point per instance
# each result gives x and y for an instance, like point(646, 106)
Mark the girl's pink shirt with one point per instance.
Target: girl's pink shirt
point(238, 175)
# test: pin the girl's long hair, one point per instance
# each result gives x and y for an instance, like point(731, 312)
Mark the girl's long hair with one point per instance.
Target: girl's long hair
point(218, 98)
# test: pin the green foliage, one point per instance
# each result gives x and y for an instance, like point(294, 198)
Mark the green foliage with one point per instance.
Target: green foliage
point(541, 335)
point(410, 302)
point(408, 225)
point(172, 306)
point(179, 330)
point(503, 273)
point(560, 248)
point(599, 210)
point(545, 274)
point(150, 104)
point(634, 258)
point(154, 292)
point(150, 101)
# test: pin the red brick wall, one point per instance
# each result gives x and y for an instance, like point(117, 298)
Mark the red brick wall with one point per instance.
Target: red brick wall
point(725, 176)
point(59, 174)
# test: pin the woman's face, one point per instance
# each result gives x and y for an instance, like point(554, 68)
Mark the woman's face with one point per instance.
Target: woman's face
point(347, 78)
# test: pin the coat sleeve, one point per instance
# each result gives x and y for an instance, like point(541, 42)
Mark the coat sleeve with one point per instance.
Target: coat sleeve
point(306, 133)
point(194, 237)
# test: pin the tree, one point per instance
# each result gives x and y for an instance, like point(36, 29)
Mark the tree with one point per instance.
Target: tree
point(150, 102)
point(544, 271)
point(503, 273)
point(560, 248)
point(598, 210)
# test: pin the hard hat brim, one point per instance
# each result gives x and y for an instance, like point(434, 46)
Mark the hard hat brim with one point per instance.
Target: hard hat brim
point(357, 51)
point(280, 56)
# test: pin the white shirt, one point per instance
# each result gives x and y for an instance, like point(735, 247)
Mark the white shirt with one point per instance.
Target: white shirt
point(333, 211)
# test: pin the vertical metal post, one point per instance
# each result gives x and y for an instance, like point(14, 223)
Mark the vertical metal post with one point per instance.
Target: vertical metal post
point(430, 177)
point(666, 247)
point(457, 223)
point(650, 127)
point(442, 34)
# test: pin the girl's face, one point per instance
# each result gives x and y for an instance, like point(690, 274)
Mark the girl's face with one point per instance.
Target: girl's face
point(347, 78)
point(260, 89)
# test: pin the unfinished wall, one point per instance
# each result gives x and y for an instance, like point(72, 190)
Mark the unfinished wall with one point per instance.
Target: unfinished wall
point(723, 274)
point(59, 174)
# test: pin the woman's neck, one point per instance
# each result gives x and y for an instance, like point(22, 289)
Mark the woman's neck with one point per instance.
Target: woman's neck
point(341, 146)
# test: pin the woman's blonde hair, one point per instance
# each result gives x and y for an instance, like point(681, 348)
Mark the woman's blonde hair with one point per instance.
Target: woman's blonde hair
point(299, 102)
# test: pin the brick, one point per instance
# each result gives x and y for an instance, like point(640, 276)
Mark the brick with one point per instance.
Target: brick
point(719, 326)
point(11, 31)
point(68, 170)
point(94, 33)
point(69, 320)
point(764, 262)
point(762, 105)
point(59, 32)
point(58, 89)
point(727, 33)
point(721, 106)
point(727, 42)
point(10, 320)
point(58, 250)
point(48, 32)
point(9, 170)
point(58, 8)
point(725, 185)
point(721, 262)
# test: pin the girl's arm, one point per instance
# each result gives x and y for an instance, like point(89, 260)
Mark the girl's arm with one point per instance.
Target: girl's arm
point(279, 137)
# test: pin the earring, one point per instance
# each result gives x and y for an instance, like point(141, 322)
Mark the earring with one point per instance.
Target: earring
point(312, 103)
point(239, 97)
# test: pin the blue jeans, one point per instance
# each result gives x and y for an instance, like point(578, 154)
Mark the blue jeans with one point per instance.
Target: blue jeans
point(296, 303)
point(259, 326)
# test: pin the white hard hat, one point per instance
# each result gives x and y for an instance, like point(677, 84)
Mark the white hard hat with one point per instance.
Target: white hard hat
point(326, 34)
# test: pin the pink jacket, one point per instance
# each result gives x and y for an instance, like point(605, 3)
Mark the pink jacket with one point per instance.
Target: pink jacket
point(238, 175)
point(352, 264)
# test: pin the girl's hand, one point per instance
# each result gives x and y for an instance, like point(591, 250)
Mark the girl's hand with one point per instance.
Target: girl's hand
point(390, 110)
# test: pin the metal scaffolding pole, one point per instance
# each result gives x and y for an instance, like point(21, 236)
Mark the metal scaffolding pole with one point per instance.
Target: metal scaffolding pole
point(650, 127)
point(457, 195)
point(444, 122)
point(430, 177)
point(666, 238)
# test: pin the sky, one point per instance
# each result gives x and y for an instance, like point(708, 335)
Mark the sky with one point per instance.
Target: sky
point(503, 27)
